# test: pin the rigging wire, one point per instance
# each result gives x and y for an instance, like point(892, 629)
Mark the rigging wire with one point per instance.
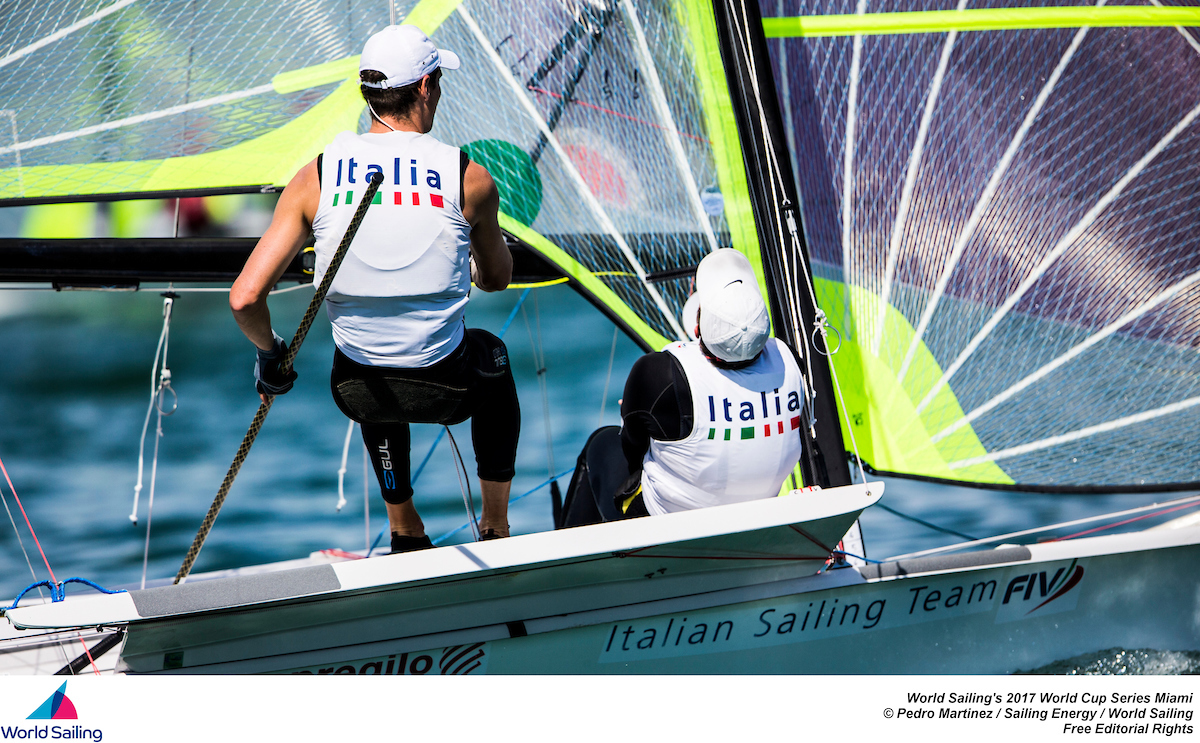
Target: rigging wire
point(366, 499)
point(801, 269)
point(612, 355)
point(21, 506)
point(924, 523)
point(539, 360)
point(527, 493)
point(1172, 505)
point(42, 552)
point(464, 483)
point(17, 532)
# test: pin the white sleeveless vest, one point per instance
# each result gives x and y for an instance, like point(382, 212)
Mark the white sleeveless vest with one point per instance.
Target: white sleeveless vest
point(745, 437)
point(399, 296)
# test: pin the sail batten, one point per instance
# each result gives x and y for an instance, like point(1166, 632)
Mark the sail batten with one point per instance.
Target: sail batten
point(982, 19)
point(1066, 242)
point(1093, 339)
point(1082, 433)
point(981, 206)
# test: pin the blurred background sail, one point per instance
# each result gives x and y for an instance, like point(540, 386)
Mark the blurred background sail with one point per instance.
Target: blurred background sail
point(596, 117)
point(1003, 227)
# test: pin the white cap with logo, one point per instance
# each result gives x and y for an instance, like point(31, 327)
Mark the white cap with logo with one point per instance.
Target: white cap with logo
point(734, 322)
point(405, 55)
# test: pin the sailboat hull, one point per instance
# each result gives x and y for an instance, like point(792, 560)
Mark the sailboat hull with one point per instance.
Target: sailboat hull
point(731, 590)
point(969, 619)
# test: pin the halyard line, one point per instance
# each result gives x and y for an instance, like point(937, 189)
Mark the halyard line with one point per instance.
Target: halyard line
point(1080, 434)
point(1078, 349)
point(786, 93)
point(985, 199)
point(910, 182)
point(848, 166)
point(658, 98)
point(572, 172)
point(1066, 242)
point(139, 119)
point(25, 50)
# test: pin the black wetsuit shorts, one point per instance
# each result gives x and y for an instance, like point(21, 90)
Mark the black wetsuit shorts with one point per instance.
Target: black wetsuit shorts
point(475, 382)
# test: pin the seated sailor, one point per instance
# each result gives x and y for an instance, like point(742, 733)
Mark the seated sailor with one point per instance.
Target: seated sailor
point(704, 423)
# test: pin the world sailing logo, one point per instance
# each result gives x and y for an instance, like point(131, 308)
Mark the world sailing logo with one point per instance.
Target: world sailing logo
point(57, 707)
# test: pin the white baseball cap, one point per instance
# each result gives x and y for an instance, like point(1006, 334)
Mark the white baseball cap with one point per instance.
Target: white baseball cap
point(405, 55)
point(734, 321)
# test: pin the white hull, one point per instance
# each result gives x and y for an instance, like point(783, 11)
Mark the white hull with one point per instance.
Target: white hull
point(719, 595)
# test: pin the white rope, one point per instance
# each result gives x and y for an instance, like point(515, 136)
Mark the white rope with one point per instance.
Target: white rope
point(342, 470)
point(159, 379)
point(160, 384)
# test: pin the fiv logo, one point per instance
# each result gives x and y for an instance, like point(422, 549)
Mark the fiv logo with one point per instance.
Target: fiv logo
point(1046, 591)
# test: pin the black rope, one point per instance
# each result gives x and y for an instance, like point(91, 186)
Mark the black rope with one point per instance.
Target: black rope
point(935, 527)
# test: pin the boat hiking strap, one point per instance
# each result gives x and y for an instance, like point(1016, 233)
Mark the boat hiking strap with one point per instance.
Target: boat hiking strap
point(285, 366)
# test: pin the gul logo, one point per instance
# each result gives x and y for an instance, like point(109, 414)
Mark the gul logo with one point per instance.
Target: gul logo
point(385, 461)
point(1046, 587)
point(56, 707)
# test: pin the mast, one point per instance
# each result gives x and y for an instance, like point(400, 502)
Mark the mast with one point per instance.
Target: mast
point(773, 199)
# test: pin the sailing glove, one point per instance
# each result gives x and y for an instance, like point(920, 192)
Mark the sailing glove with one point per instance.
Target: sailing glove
point(269, 377)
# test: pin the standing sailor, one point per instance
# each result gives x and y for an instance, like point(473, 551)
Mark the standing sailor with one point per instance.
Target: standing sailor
point(403, 354)
point(704, 423)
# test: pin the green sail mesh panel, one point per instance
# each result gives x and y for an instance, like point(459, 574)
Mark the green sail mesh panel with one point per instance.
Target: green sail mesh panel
point(1004, 230)
point(593, 116)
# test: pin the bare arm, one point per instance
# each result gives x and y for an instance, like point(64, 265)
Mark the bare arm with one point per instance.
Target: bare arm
point(275, 250)
point(481, 205)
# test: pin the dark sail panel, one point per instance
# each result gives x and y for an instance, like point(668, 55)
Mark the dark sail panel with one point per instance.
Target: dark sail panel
point(1003, 223)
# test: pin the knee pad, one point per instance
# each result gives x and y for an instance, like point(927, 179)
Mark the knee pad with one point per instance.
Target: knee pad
point(489, 355)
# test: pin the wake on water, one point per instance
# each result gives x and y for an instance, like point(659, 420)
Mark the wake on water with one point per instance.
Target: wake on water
point(1121, 662)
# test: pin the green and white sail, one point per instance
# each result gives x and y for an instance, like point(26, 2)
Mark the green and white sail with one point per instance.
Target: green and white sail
point(1002, 204)
point(605, 122)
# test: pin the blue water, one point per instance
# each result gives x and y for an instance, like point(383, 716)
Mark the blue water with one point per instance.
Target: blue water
point(74, 386)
